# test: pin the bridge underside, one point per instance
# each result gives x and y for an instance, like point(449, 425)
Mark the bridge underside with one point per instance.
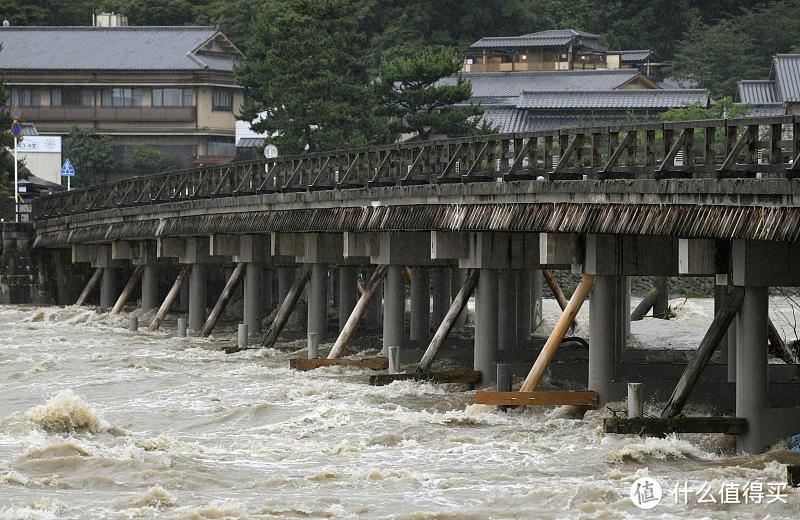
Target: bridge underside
point(767, 209)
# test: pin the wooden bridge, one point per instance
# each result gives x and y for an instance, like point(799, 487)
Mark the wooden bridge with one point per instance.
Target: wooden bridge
point(485, 215)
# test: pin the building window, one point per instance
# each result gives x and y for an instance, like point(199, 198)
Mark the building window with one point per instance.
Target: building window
point(121, 97)
point(223, 99)
point(173, 97)
point(224, 146)
point(25, 97)
point(71, 97)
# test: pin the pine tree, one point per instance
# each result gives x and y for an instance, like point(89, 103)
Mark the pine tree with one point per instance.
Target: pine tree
point(415, 99)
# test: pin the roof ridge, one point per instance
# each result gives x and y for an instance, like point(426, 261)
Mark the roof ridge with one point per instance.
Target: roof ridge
point(92, 28)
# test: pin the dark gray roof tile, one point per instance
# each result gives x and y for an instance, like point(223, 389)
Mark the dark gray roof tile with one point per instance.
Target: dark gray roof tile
point(786, 71)
point(615, 99)
point(109, 48)
point(756, 92)
point(503, 84)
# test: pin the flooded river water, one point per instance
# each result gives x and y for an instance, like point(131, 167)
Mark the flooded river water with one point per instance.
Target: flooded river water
point(98, 422)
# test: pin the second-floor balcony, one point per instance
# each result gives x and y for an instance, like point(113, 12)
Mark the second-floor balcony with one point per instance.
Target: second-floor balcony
point(79, 114)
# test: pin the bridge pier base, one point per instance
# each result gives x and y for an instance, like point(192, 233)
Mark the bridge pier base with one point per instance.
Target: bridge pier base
point(253, 280)
point(107, 288)
point(348, 296)
point(149, 288)
point(752, 384)
point(441, 293)
point(606, 333)
point(394, 303)
point(420, 304)
point(506, 309)
point(318, 301)
point(486, 325)
point(197, 297)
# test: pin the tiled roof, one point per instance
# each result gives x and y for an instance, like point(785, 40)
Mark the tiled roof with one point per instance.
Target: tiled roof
point(503, 84)
point(615, 99)
point(110, 48)
point(632, 56)
point(756, 92)
point(251, 142)
point(550, 38)
point(507, 119)
point(786, 71)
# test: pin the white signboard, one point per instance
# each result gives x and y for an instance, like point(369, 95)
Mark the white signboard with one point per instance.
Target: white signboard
point(40, 144)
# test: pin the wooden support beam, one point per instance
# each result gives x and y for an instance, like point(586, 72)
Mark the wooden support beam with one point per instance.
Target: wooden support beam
point(90, 285)
point(465, 377)
point(661, 426)
point(287, 307)
point(669, 159)
point(645, 305)
point(456, 307)
point(782, 351)
point(358, 312)
point(554, 398)
point(375, 363)
point(223, 300)
point(128, 290)
point(567, 153)
point(558, 294)
point(557, 335)
point(719, 326)
point(172, 295)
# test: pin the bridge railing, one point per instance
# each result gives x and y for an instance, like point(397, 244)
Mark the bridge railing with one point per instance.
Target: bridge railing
point(719, 148)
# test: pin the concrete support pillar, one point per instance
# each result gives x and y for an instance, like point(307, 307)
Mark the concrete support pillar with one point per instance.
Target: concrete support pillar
point(506, 309)
point(720, 298)
point(373, 319)
point(524, 313)
point(183, 298)
point(348, 296)
point(752, 383)
point(420, 304)
point(457, 280)
point(536, 298)
point(318, 301)
point(394, 299)
point(107, 288)
point(149, 288)
point(197, 297)
point(441, 293)
point(604, 334)
point(285, 279)
point(267, 289)
point(253, 283)
point(623, 317)
point(661, 305)
point(486, 325)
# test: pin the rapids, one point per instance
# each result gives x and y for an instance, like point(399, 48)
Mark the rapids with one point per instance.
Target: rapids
point(97, 422)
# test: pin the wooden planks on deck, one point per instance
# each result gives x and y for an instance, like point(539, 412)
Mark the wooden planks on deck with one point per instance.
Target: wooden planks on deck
point(374, 363)
point(661, 426)
point(554, 398)
point(466, 377)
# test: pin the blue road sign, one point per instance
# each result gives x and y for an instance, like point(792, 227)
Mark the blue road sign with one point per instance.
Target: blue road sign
point(67, 170)
point(16, 128)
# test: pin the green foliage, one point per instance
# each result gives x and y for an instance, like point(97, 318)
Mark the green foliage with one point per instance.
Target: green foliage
point(147, 161)
point(91, 154)
point(724, 107)
point(409, 95)
point(741, 47)
point(306, 66)
point(152, 12)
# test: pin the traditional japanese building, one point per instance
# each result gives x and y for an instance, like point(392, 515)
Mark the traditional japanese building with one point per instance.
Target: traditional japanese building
point(778, 95)
point(169, 88)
